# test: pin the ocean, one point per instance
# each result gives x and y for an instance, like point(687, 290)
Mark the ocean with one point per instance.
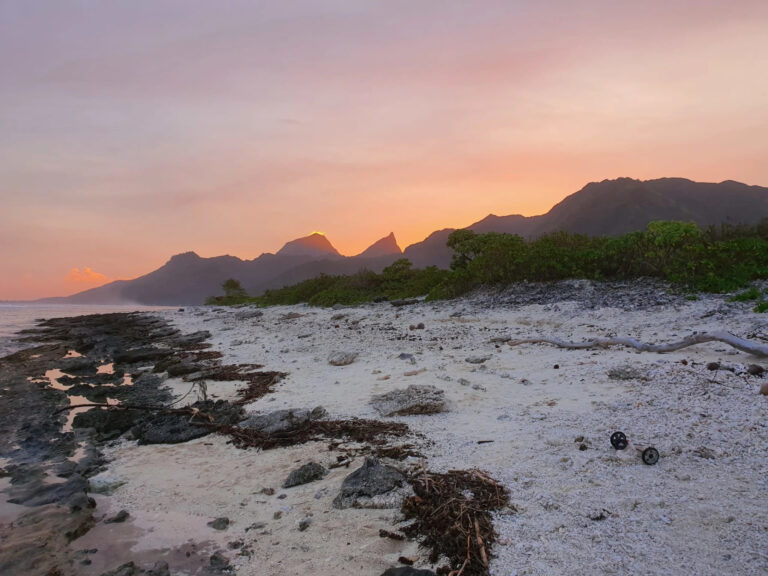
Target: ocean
point(15, 317)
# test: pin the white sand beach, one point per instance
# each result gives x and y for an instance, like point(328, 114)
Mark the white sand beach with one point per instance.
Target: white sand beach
point(578, 505)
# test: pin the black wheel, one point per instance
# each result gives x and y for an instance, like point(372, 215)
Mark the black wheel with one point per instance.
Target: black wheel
point(619, 440)
point(650, 456)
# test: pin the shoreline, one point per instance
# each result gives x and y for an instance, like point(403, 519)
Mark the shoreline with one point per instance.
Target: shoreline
point(513, 413)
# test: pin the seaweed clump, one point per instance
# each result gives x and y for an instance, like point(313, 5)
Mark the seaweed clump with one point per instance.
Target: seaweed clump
point(451, 515)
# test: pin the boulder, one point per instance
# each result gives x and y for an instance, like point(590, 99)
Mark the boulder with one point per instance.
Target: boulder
point(373, 485)
point(416, 399)
point(307, 473)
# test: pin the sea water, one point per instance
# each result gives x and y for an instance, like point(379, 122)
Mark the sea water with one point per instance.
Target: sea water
point(15, 317)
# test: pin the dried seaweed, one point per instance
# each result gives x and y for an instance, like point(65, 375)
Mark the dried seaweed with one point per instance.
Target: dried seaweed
point(357, 430)
point(451, 515)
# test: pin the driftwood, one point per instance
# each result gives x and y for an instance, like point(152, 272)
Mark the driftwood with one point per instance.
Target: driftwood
point(748, 346)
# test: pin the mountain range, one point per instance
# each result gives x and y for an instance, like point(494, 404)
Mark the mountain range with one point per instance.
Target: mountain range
point(607, 208)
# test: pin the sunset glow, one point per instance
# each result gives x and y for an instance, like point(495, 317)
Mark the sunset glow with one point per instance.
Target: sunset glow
point(132, 131)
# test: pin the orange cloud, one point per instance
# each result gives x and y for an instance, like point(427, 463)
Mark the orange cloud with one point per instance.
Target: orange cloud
point(85, 276)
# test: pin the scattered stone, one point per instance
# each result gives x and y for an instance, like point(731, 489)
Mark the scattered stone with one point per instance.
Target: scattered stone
point(416, 399)
point(283, 420)
point(277, 515)
point(713, 366)
point(409, 357)
point(248, 314)
point(755, 370)
point(626, 372)
point(219, 562)
point(221, 523)
point(373, 485)
point(764, 389)
point(304, 524)
point(477, 359)
point(305, 474)
point(268, 491)
point(341, 358)
point(118, 518)
point(256, 526)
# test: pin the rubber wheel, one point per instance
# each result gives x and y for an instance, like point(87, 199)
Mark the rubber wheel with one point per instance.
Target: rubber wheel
point(619, 440)
point(650, 456)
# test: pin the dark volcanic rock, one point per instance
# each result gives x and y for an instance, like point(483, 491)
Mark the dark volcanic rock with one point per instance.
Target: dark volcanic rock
point(365, 486)
point(307, 473)
point(283, 420)
point(164, 428)
point(78, 365)
point(219, 523)
point(109, 424)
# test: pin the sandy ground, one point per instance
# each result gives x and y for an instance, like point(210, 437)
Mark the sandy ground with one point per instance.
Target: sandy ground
point(701, 510)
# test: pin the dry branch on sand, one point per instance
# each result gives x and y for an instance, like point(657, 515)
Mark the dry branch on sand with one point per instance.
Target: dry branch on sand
point(748, 346)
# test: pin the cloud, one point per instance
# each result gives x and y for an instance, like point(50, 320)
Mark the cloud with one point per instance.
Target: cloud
point(85, 276)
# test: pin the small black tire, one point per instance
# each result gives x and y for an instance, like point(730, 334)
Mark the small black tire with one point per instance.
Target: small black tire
point(650, 456)
point(619, 440)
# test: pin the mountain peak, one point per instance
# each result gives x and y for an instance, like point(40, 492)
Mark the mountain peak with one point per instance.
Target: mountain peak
point(384, 247)
point(184, 257)
point(316, 244)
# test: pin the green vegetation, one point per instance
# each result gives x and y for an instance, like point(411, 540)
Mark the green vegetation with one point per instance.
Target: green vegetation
point(397, 281)
point(747, 295)
point(714, 260)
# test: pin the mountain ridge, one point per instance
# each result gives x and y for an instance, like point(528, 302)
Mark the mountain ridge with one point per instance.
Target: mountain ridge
point(605, 208)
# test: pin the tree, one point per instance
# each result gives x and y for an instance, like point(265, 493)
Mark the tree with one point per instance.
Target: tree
point(233, 289)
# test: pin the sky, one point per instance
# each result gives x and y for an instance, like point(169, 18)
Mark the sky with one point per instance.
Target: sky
point(132, 130)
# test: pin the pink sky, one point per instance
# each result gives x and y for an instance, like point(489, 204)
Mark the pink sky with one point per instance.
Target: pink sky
point(130, 131)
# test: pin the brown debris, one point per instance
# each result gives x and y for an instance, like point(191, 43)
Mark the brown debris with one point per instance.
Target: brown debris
point(452, 516)
point(358, 430)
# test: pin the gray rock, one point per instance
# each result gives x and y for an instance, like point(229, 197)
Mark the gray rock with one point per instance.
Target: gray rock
point(283, 420)
point(341, 358)
point(373, 485)
point(626, 372)
point(219, 562)
point(220, 523)
point(118, 518)
point(305, 474)
point(477, 359)
point(304, 524)
point(416, 399)
point(248, 314)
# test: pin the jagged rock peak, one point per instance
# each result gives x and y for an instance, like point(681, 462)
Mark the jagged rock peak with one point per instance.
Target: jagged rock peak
point(184, 257)
point(316, 244)
point(384, 247)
